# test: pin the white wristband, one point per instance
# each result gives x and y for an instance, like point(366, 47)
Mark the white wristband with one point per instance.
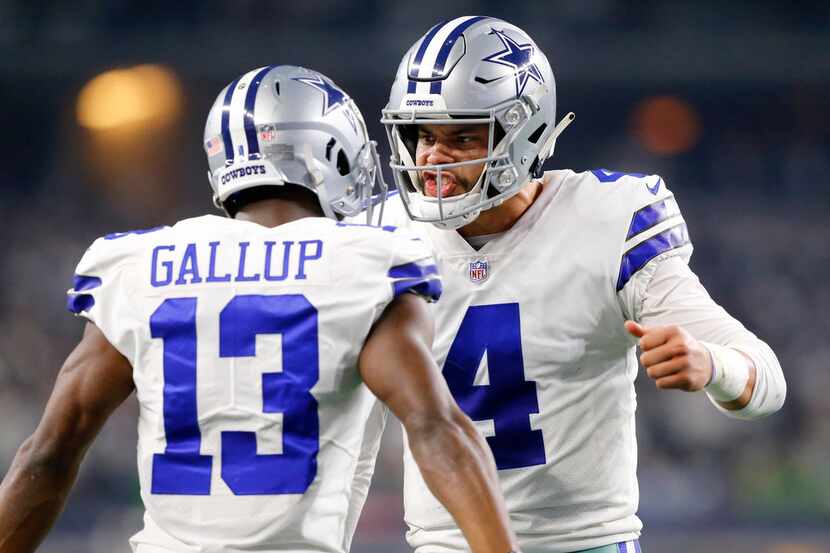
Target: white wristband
point(730, 373)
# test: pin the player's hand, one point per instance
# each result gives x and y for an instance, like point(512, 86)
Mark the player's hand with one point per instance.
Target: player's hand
point(672, 357)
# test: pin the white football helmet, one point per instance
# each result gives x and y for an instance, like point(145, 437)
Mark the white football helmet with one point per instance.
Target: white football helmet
point(284, 124)
point(473, 69)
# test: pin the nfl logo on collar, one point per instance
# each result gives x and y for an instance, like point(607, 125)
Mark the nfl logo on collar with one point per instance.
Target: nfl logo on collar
point(479, 270)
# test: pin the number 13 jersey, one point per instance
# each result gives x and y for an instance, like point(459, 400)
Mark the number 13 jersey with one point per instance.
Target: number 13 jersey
point(255, 430)
point(530, 336)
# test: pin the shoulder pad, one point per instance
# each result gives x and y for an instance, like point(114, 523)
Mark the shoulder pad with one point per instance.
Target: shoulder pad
point(650, 184)
point(98, 264)
point(117, 235)
point(413, 267)
point(654, 227)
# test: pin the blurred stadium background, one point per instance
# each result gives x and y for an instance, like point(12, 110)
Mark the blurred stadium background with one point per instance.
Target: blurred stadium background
point(104, 105)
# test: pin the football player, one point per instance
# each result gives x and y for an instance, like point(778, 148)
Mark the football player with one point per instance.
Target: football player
point(255, 343)
point(551, 280)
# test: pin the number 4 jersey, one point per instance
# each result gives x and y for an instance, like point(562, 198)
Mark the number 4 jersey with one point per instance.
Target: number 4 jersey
point(530, 338)
point(255, 430)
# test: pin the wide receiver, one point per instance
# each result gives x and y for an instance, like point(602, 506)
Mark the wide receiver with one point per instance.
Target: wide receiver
point(551, 280)
point(255, 344)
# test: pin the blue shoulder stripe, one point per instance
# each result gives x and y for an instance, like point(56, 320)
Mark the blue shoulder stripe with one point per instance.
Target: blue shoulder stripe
point(636, 258)
point(429, 288)
point(418, 278)
point(76, 302)
point(80, 302)
point(650, 215)
point(117, 235)
point(606, 175)
point(83, 282)
point(412, 270)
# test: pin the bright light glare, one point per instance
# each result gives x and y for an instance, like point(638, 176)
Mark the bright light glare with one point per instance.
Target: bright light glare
point(123, 97)
point(667, 125)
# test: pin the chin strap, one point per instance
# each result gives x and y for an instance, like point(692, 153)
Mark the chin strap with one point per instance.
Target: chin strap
point(547, 149)
point(546, 152)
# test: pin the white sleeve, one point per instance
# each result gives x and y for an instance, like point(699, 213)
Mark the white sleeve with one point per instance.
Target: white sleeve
point(103, 292)
point(673, 295)
point(413, 267)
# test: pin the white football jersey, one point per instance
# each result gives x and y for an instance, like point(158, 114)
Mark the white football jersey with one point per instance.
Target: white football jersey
point(530, 337)
point(255, 427)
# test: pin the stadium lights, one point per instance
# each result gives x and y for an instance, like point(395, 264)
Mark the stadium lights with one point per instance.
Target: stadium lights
point(666, 125)
point(140, 95)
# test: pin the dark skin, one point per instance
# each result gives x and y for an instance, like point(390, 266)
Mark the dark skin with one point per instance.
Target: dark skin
point(396, 364)
point(672, 357)
point(94, 380)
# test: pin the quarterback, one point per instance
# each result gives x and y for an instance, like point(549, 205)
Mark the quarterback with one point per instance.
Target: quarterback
point(551, 281)
point(257, 345)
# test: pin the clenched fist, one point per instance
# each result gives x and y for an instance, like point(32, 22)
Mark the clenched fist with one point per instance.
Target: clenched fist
point(672, 357)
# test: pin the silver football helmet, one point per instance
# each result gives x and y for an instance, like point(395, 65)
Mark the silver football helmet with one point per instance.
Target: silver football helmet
point(472, 70)
point(284, 124)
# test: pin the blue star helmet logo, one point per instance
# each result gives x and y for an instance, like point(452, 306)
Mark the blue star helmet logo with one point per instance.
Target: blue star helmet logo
point(333, 96)
point(519, 58)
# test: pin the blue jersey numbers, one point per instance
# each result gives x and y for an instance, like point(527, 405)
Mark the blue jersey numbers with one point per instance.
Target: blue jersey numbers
point(508, 399)
point(181, 469)
point(285, 392)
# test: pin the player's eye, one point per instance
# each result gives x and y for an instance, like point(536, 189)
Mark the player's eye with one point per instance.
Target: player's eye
point(426, 138)
point(467, 139)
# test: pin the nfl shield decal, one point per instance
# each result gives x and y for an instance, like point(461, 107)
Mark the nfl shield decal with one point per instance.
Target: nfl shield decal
point(479, 270)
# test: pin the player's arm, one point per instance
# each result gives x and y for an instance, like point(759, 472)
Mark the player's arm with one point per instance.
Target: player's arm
point(397, 365)
point(94, 380)
point(691, 343)
point(674, 359)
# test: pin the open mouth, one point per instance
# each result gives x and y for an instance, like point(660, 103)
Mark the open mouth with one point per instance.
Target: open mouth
point(449, 186)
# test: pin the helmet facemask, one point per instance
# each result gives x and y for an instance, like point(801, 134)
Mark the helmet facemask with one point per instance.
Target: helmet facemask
point(369, 189)
point(473, 69)
point(499, 178)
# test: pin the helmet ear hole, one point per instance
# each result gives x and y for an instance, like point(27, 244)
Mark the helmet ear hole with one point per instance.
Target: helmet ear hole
point(329, 145)
point(498, 133)
point(342, 163)
point(534, 138)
